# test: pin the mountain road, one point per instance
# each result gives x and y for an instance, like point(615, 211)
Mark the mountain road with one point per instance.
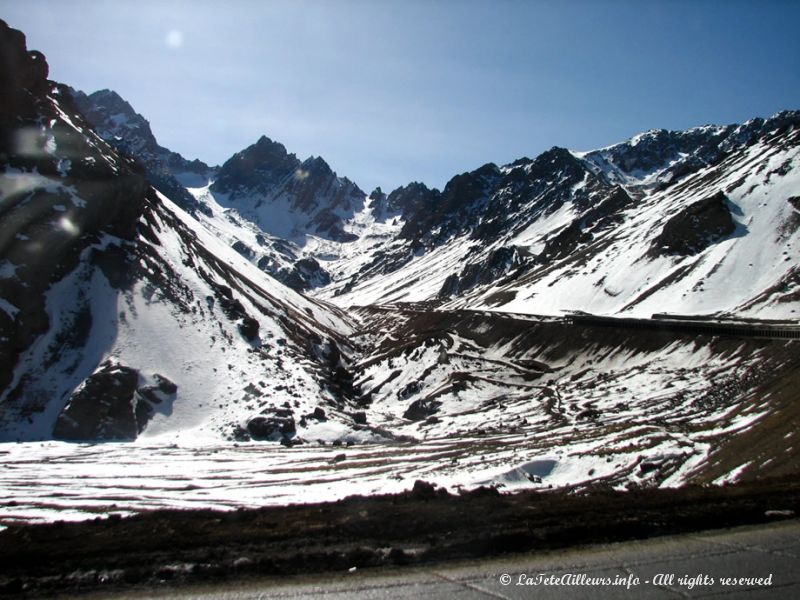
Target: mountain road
point(746, 562)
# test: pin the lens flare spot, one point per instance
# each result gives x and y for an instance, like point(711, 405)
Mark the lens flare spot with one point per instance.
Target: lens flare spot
point(174, 38)
point(27, 141)
point(68, 226)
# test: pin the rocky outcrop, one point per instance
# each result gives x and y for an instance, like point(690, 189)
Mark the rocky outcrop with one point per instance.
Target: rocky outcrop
point(695, 228)
point(498, 266)
point(604, 215)
point(421, 409)
point(235, 311)
point(306, 274)
point(104, 408)
point(160, 391)
point(435, 217)
point(273, 426)
point(410, 200)
point(111, 405)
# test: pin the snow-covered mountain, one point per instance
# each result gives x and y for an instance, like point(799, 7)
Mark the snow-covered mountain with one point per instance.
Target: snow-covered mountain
point(126, 314)
point(285, 197)
point(696, 222)
point(273, 205)
point(668, 221)
point(265, 202)
point(122, 316)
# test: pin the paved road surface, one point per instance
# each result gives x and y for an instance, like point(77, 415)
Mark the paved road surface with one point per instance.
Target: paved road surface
point(746, 552)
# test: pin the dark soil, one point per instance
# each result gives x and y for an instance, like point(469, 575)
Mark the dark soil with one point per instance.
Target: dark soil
point(425, 525)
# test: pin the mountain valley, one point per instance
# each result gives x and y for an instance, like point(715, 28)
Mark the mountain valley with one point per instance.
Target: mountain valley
point(621, 318)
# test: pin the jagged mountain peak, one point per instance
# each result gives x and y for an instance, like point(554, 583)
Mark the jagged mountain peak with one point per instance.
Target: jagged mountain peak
point(114, 102)
point(116, 116)
point(129, 132)
point(466, 188)
point(520, 162)
point(284, 196)
point(551, 164)
point(412, 188)
point(117, 120)
point(402, 201)
point(265, 145)
point(256, 169)
point(489, 169)
point(555, 153)
point(316, 164)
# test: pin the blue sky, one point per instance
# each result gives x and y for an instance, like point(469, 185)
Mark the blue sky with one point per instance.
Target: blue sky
point(391, 92)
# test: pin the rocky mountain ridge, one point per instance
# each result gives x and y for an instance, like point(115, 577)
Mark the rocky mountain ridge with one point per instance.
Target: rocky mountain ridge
point(319, 234)
point(501, 237)
point(266, 184)
point(105, 283)
point(129, 132)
